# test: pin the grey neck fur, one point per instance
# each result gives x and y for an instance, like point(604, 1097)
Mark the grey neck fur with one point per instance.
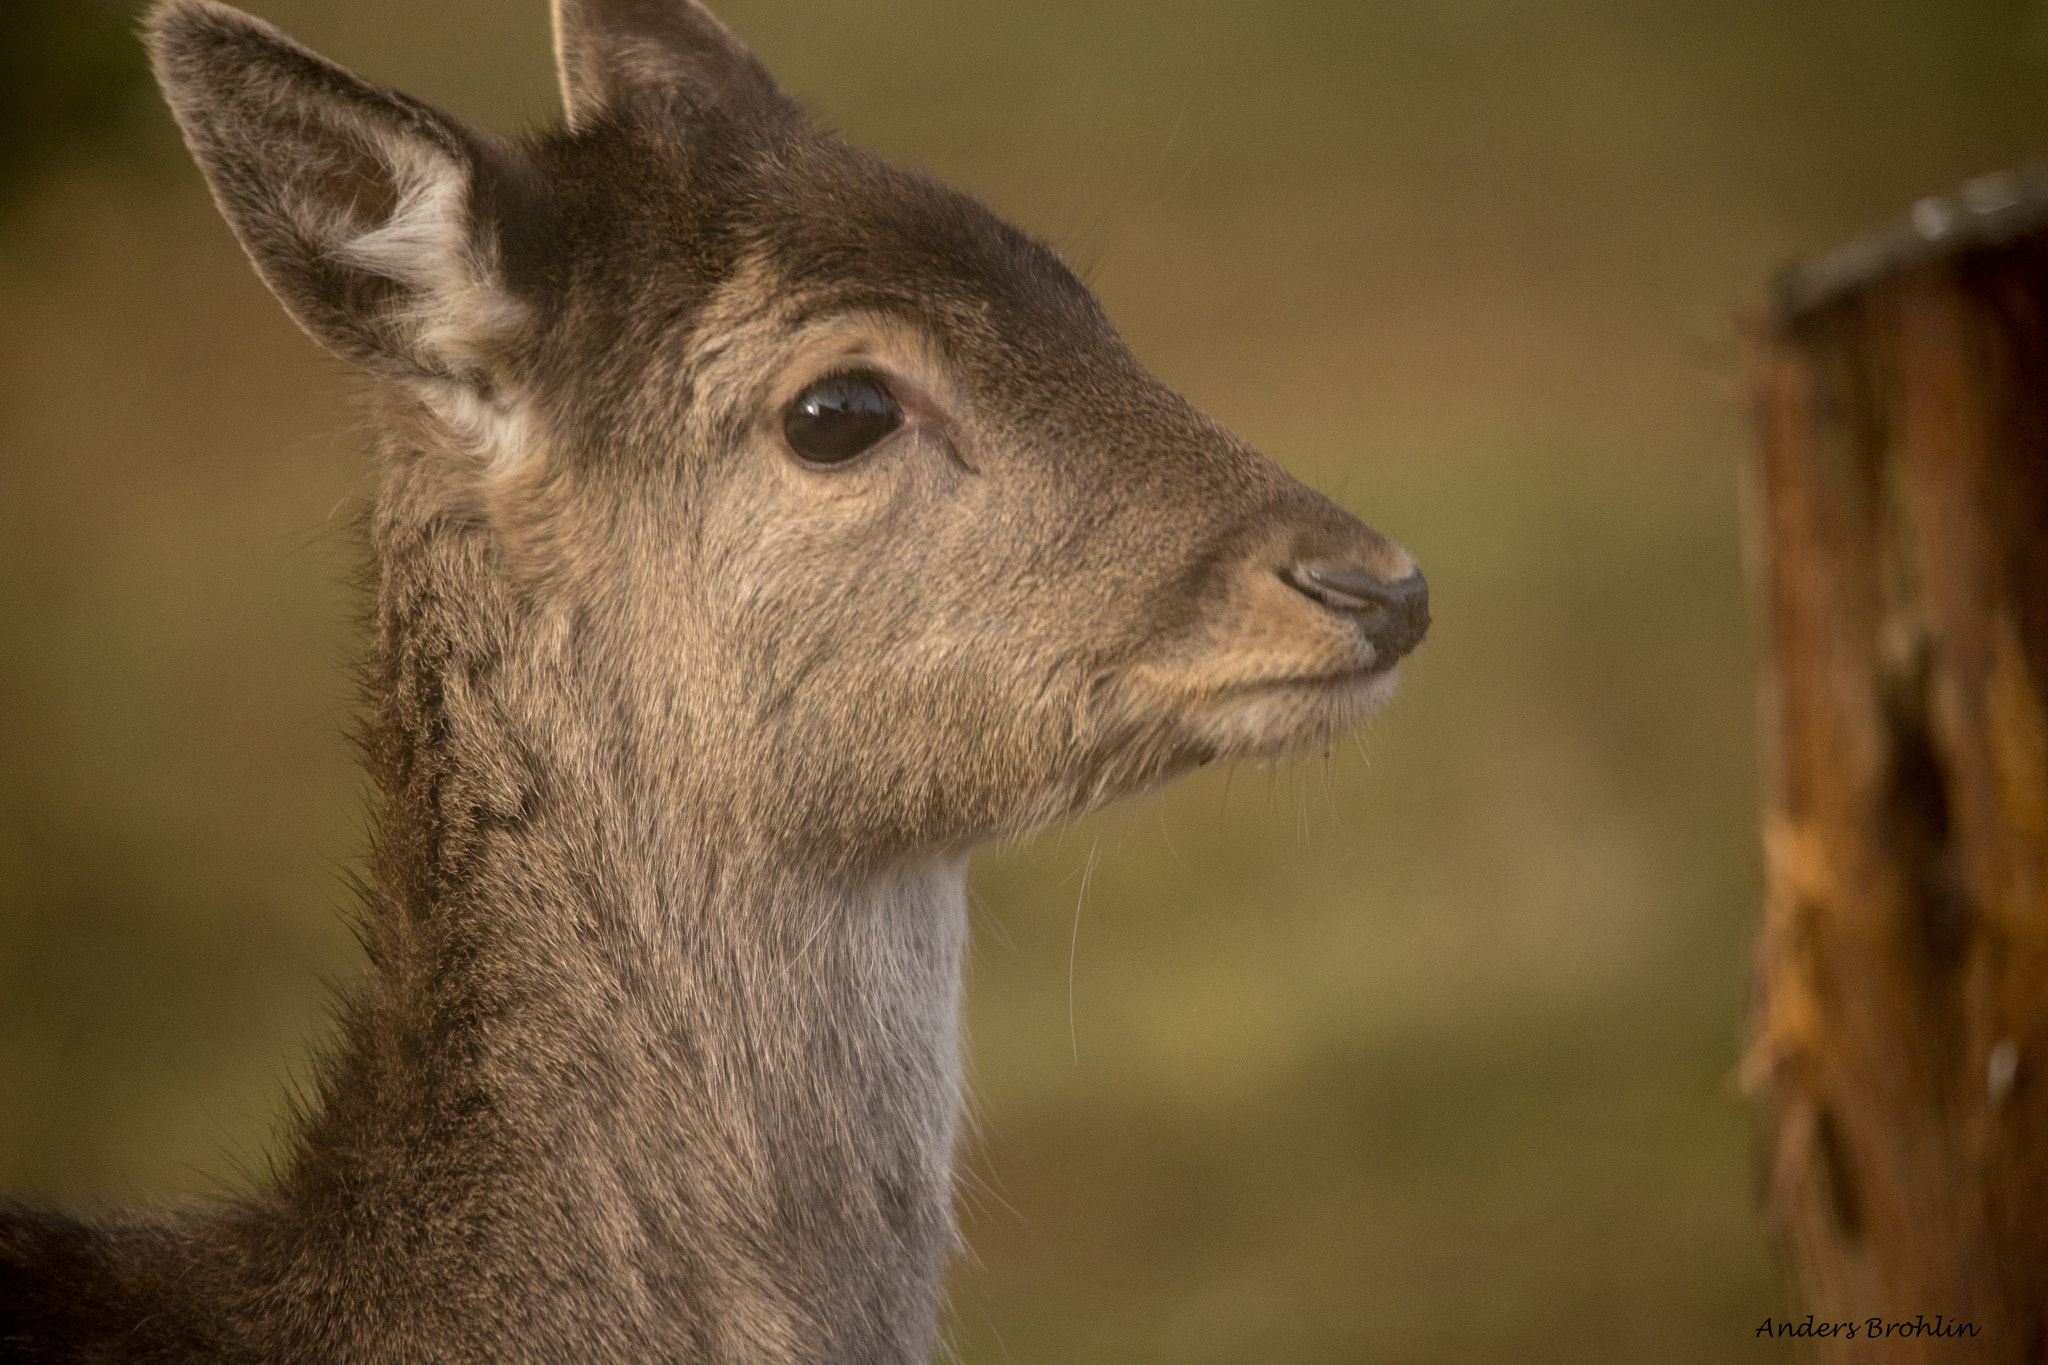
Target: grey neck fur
point(618, 1028)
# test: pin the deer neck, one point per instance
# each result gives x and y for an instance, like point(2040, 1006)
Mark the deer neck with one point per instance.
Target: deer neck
point(613, 1052)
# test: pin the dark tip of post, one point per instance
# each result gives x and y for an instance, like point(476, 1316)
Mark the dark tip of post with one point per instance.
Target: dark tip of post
point(1990, 211)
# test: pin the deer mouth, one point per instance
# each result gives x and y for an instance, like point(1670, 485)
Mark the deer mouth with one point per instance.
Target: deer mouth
point(1370, 681)
point(1279, 716)
point(1290, 658)
point(1264, 714)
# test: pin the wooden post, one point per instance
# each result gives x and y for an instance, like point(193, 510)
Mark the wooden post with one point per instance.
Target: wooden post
point(1898, 1037)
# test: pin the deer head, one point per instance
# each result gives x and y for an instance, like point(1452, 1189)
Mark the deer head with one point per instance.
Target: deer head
point(878, 533)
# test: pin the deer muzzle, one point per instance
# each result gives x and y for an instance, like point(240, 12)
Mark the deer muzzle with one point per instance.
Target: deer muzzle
point(1392, 614)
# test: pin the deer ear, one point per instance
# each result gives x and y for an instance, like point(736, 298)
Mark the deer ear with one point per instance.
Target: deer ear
point(367, 213)
point(657, 57)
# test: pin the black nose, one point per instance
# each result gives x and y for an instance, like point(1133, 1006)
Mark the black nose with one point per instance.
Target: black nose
point(1394, 616)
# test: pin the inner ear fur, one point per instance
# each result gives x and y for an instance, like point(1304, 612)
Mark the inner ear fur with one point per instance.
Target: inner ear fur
point(367, 212)
point(657, 60)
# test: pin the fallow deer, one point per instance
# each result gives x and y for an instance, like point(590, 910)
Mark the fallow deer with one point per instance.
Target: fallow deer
point(760, 528)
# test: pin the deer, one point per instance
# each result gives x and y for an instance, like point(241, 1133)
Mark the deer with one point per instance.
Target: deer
point(759, 529)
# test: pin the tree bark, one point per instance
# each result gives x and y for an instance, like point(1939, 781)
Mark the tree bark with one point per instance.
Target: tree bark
point(1898, 1034)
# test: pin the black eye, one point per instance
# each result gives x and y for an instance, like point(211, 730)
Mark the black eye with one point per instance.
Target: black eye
point(841, 415)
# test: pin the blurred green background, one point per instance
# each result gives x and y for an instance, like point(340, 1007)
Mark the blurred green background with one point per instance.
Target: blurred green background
point(1422, 1051)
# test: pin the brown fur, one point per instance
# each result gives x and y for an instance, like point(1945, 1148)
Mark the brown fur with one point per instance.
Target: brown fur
point(682, 744)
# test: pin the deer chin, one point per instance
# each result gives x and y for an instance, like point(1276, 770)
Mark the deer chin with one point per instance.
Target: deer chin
point(1270, 719)
point(1192, 717)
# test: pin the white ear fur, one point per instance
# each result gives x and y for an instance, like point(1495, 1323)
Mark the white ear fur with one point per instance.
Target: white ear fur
point(452, 296)
point(452, 303)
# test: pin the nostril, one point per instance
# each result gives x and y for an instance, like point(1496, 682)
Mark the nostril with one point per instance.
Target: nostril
point(1393, 614)
point(1347, 587)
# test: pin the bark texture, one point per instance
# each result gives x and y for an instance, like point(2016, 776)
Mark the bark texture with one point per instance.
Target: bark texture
point(1898, 1037)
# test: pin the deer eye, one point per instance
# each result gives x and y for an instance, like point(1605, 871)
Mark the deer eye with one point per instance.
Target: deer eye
point(840, 416)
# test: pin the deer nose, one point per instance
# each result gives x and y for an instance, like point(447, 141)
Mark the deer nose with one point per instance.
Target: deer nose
point(1394, 615)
